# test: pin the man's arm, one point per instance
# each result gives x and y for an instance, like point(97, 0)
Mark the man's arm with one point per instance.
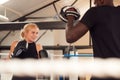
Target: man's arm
point(73, 33)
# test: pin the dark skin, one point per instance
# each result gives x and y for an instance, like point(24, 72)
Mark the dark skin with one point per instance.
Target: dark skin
point(73, 33)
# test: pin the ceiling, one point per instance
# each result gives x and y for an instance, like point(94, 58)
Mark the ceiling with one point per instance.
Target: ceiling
point(43, 10)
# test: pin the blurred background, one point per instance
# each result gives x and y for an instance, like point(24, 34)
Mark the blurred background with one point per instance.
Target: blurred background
point(43, 12)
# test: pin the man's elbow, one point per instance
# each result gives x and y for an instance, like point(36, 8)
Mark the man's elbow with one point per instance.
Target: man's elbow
point(69, 40)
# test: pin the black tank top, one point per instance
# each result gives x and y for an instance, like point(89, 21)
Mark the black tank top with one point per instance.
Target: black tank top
point(30, 51)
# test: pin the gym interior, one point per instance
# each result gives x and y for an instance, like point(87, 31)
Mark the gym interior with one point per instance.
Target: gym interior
point(45, 13)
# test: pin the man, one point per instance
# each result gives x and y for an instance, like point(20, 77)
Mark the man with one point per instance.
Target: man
point(103, 22)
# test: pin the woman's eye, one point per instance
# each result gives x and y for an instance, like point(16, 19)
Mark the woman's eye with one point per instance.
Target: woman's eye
point(33, 32)
point(36, 32)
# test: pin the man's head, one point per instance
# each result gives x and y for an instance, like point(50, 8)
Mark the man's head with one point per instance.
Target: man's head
point(103, 2)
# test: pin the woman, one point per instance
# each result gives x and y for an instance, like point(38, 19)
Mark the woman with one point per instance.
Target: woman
point(28, 47)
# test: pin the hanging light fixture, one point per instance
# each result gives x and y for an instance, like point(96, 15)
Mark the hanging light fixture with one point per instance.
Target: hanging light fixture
point(3, 18)
point(3, 1)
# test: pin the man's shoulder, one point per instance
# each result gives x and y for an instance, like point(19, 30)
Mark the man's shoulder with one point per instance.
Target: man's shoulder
point(101, 7)
point(92, 9)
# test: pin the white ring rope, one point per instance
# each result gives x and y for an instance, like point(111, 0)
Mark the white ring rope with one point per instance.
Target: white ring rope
point(80, 67)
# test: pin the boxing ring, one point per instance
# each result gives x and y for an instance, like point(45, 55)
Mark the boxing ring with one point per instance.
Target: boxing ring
point(66, 67)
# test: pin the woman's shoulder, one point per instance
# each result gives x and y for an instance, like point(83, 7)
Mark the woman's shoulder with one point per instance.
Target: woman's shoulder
point(39, 47)
point(14, 43)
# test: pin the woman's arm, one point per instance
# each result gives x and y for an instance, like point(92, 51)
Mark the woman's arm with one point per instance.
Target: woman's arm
point(13, 45)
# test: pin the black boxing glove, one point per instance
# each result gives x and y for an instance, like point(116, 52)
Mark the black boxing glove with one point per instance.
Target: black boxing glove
point(43, 53)
point(19, 49)
point(65, 11)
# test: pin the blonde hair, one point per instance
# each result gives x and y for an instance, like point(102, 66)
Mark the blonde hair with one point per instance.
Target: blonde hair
point(26, 28)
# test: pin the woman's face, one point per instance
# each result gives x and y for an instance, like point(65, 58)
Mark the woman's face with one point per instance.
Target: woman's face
point(32, 35)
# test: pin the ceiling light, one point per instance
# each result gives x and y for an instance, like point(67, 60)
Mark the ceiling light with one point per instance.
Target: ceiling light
point(3, 18)
point(68, 2)
point(3, 1)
